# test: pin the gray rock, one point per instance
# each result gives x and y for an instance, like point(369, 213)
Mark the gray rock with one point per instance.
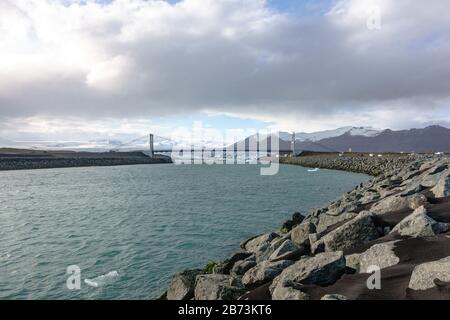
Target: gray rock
point(226, 266)
point(277, 242)
point(265, 251)
point(317, 246)
point(438, 169)
point(323, 269)
point(334, 297)
point(419, 224)
point(241, 267)
point(352, 261)
point(358, 231)
point(413, 190)
point(381, 255)
point(326, 220)
point(370, 196)
point(297, 218)
point(182, 285)
point(264, 272)
point(289, 292)
point(254, 244)
point(264, 246)
point(218, 287)
point(429, 181)
point(313, 238)
point(397, 203)
point(424, 275)
point(428, 165)
point(286, 247)
point(300, 234)
point(442, 188)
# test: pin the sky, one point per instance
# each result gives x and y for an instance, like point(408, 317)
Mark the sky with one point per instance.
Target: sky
point(80, 70)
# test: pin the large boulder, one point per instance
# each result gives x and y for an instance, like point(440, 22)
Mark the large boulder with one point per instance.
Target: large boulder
point(370, 196)
point(323, 269)
point(264, 245)
point(218, 287)
point(353, 261)
point(241, 267)
point(226, 266)
point(419, 224)
point(182, 285)
point(264, 272)
point(254, 244)
point(297, 218)
point(327, 220)
point(300, 234)
point(424, 275)
point(356, 232)
point(381, 255)
point(430, 180)
point(289, 291)
point(442, 188)
point(398, 203)
point(285, 248)
point(438, 169)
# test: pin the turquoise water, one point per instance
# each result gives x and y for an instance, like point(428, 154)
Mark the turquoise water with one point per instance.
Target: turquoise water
point(130, 228)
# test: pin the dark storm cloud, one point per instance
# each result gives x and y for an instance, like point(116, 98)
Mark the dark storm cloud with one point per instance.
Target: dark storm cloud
point(148, 58)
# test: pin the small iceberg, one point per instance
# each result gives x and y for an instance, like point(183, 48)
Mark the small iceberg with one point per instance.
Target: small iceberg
point(103, 280)
point(313, 170)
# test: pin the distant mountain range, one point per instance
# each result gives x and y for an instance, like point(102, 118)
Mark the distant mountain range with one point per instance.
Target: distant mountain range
point(99, 145)
point(360, 139)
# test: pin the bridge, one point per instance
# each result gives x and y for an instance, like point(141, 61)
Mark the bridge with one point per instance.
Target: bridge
point(211, 152)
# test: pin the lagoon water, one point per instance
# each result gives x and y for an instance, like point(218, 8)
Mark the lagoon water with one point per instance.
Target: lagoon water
point(130, 228)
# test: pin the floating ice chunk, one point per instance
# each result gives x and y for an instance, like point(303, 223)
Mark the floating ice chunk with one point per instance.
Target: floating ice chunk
point(102, 280)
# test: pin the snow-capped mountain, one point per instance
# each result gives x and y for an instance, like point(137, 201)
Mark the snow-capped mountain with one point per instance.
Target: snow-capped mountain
point(365, 132)
point(141, 143)
point(320, 135)
point(361, 139)
point(429, 139)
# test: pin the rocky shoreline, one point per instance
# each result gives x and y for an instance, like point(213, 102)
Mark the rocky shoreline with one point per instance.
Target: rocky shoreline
point(371, 164)
point(389, 238)
point(48, 160)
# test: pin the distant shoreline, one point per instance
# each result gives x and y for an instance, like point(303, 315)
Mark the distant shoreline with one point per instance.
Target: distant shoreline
point(373, 164)
point(19, 159)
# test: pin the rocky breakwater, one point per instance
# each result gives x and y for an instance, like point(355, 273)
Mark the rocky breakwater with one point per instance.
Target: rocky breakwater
point(399, 222)
point(29, 159)
point(372, 164)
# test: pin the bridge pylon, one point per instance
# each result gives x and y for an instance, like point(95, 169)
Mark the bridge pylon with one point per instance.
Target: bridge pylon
point(152, 147)
point(293, 145)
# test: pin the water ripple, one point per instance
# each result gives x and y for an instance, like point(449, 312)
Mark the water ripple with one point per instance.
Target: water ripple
point(146, 222)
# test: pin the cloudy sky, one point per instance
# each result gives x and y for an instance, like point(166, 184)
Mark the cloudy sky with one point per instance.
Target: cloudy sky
point(91, 69)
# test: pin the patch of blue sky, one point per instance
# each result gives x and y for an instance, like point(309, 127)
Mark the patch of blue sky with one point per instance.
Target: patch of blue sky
point(295, 7)
point(302, 7)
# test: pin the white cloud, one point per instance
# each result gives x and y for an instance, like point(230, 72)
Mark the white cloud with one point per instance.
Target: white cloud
point(140, 59)
point(109, 75)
